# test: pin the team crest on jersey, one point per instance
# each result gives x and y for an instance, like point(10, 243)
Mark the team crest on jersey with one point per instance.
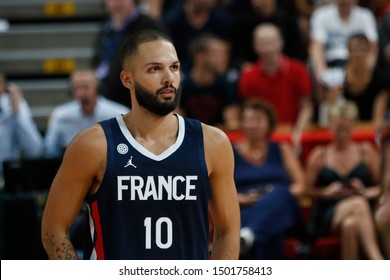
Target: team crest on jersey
point(122, 149)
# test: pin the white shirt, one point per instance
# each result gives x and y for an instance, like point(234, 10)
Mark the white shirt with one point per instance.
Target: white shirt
point(68, 119)
point(327, 27)
point(19, 135)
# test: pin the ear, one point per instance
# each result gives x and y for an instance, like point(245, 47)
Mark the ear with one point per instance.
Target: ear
point(127, 79)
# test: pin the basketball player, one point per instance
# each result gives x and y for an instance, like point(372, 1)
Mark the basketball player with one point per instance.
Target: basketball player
point(150, 176)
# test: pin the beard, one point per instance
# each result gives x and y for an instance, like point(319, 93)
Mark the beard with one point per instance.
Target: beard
point(149, 100)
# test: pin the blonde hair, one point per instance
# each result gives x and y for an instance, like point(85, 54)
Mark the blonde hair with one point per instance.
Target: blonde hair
point(346, 110)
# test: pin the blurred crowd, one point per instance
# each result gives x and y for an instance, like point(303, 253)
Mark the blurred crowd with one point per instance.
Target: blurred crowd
point(253, 66)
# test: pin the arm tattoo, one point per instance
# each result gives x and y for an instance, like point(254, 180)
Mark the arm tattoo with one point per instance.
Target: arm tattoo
point(59, 249)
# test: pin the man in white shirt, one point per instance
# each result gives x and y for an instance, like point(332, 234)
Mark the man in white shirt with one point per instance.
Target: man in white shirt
point(85, 111)
point(331, 26)
point(18, 132)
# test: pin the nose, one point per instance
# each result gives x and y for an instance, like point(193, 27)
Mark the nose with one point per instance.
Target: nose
point(168, 77)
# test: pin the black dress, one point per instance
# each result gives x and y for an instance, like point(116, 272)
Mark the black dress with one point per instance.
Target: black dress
point(323, 210)
point(365, 99)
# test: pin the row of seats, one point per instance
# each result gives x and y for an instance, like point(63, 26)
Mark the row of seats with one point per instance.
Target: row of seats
point(47, 40)
point(23, 10)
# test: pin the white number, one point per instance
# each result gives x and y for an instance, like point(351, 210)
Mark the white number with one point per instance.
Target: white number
point(148, 233)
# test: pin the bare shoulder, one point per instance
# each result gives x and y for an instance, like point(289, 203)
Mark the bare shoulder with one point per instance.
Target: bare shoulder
point(218, 150)
point(89, 140)
point(214, 137)
point(87, 150)
point(316, 156)
point(367, 147)
point(368, 151)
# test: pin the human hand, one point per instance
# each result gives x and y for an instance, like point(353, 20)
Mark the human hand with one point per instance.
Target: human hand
point(250, 198)
point(16, 96)
point(357, 186)
point(335, 190)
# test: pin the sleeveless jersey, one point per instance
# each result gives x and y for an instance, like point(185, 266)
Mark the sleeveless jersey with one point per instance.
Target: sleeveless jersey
point(151, 206)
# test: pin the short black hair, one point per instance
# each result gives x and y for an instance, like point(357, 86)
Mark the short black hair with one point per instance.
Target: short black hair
point(132, 42)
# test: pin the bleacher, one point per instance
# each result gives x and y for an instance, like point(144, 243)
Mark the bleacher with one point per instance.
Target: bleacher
point(45, 42)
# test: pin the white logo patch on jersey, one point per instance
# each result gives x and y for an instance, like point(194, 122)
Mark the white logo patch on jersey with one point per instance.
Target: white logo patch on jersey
point(122, 149)
point(130, 163)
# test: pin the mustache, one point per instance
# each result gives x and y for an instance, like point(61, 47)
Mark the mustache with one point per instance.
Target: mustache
point(167, 86)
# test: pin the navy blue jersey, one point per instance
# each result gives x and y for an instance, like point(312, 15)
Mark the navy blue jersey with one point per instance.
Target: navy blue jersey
point(151, 206)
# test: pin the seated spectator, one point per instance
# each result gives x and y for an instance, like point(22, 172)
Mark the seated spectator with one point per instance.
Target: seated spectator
point(382, 214)
point(190, 18)
point(281, 81)
point(342, 179)
point(332, 82)
point(265, 11)
point(269, 179)
point(205, 94)
point(220, 59)
point(331, 26)
point(84, 111)
point(19, 135)
point(364, 84)
point(124, 19)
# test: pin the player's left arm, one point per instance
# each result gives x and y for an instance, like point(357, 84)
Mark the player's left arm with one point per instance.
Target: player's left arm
point(224, 204)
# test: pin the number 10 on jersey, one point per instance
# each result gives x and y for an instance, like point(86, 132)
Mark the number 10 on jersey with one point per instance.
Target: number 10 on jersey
point(156, 228)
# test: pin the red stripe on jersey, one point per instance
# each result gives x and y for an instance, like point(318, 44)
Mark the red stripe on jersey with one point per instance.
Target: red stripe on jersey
point(99, 234)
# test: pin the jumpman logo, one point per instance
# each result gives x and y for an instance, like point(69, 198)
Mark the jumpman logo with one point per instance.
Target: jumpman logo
point(130, 163)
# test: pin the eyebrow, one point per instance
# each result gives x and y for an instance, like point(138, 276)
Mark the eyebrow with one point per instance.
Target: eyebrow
point(159, 63)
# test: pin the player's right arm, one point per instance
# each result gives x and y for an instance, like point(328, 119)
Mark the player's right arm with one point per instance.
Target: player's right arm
point(80, 174)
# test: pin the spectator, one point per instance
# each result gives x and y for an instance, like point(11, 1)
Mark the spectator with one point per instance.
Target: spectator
point(331, 26)
point(220, 59)
point(19, 135)
point(342, 178)
point(268, 178)
point(205, 93)
point(85, 111)
point(332, 82)
point(382, 215)
point(265, 11)
point(278, 79)
point(191, 18)
point(365, 85)
point(124, 18)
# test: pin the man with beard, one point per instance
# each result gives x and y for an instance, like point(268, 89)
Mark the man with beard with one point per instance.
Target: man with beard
point(87, 109)
point(150, 177)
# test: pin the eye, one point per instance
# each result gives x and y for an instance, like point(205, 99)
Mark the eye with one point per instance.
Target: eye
point(154, 69)
point(175, 67)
